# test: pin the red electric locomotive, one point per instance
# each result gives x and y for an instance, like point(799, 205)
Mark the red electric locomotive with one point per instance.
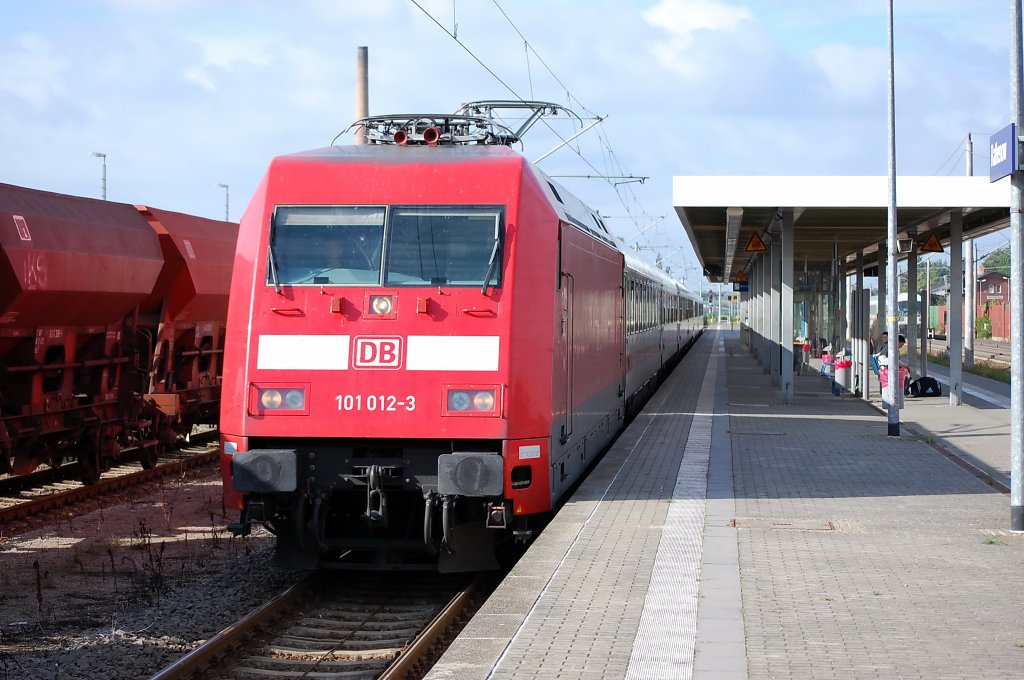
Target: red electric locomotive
point(111, 323)
point(428, 342)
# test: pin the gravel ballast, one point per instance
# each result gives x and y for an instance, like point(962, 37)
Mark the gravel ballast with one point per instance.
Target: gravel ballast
point(122, 590)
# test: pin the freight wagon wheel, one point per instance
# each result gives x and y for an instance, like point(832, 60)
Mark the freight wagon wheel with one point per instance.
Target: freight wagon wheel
point(56, 459)
point(89, 467)
point(148, 456)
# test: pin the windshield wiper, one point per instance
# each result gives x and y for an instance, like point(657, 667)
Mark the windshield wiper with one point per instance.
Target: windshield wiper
point(272, 257)
point(492, 265)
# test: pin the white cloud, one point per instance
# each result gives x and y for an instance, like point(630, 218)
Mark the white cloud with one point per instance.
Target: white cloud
point(853, 74)
point(184, 93)
point(685, 18)
point(31, 70)
point(685, 21)
point(222, 53)
point(165, 7)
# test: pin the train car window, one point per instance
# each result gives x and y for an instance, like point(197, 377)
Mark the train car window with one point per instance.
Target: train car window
point(648, 315)
point(639, 306)
point(327, 245)
point(652, 306)
point(643, 306)
point(629, 306)
point(444, 246)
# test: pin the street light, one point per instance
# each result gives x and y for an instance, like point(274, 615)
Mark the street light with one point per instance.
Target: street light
point(227, 191)
point(102, 156)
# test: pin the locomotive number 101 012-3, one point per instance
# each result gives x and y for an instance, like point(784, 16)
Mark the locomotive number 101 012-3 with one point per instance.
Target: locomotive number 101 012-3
point(375, 402)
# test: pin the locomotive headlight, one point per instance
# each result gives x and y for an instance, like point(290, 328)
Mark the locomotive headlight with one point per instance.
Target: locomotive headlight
point(286, 400)
point(458, 400)
point(380, 304)
point(483, 400)
point(294, 399)
point(270, 399)
point(472, 400)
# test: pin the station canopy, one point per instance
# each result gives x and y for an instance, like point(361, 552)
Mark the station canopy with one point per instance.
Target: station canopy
point(729, 218)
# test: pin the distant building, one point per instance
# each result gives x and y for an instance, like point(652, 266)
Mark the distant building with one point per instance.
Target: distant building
point(993, 300)
point(993, 287)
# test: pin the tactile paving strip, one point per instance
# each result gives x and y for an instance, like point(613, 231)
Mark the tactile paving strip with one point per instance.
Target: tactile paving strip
point(664, 645)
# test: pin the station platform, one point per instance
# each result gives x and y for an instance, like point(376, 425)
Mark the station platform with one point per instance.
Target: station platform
point(725, 535)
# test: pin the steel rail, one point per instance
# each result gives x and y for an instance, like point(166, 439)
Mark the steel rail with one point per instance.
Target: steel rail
point(56, 500)
point(214, 648)
point(428, 637)
point(211, 651)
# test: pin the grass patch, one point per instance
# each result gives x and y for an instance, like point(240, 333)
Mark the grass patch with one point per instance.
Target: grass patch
point(983, 368)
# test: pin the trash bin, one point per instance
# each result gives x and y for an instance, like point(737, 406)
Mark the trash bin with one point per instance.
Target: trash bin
point(801, 355)
point(798, 357)
point(843, 365)
point(883, 378)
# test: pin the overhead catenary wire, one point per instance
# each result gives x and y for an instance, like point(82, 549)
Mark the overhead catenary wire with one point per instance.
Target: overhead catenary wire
point(958, 151)
point(613, 168)
point(949, 166)
point(610, 172)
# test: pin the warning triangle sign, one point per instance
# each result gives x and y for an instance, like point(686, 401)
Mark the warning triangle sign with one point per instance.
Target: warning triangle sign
point(755, 245)
point(741, 278)
point(932, 245)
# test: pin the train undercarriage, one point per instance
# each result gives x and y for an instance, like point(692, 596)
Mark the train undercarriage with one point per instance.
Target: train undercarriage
point(378, 504)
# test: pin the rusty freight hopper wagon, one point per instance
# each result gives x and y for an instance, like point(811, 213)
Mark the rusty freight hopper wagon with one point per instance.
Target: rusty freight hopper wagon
point(111, 318)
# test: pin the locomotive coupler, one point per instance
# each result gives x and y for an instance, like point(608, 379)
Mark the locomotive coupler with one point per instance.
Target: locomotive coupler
point(376, 501)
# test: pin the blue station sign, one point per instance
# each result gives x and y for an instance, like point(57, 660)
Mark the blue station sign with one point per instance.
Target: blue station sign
point(743, 287)
point(1002, 148)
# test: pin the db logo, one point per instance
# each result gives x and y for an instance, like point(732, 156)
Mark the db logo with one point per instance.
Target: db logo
point(377, 352)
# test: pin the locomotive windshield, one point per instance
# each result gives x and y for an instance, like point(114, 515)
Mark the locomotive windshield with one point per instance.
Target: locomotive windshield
point(320, 245)
point(452, 246)
point(441, 246)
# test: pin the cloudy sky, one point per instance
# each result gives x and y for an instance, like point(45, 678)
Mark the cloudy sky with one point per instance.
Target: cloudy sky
point(183, 94)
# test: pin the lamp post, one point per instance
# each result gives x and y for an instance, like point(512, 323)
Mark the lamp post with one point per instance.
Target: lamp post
point(227, 191)
point(893, 416)
point(103, 157)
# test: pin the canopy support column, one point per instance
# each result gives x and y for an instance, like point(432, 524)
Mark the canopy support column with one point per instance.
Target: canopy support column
point(787, 306)
point(955, 331)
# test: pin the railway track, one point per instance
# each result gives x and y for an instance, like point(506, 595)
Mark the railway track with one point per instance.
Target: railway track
point(49, 490)
point(339, 624)
point(992, 351)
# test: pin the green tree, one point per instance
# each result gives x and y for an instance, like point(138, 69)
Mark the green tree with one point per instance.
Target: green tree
point(983, 327)
point(998, 261)
point(939, 270)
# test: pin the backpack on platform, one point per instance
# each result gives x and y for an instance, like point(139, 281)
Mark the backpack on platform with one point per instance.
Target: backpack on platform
point(926, 387)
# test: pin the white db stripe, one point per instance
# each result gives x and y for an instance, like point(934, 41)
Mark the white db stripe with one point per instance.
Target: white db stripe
point(303, 352)
point(444, 353)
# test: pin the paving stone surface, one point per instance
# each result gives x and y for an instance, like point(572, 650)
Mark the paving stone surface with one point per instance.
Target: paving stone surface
point(828, 549)
point(918, 578)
